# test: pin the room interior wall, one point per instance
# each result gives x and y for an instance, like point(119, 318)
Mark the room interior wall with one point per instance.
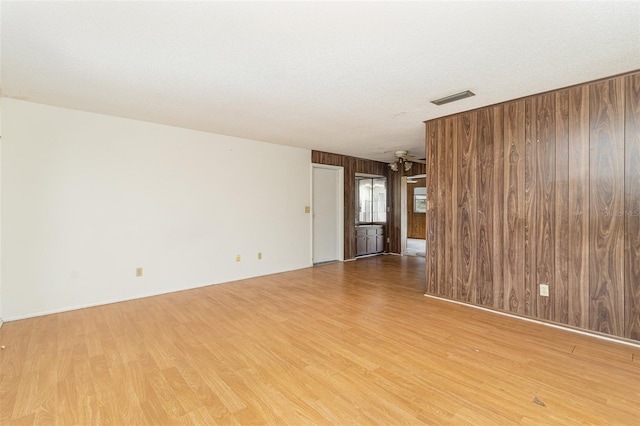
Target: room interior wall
point(88, 198)
point(541, 191)
point(1, 211)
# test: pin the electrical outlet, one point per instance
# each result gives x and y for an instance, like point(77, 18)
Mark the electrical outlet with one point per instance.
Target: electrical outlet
point(307, 209)
point(237, 258)
point(138, 272)
point(544, 290)
point(259, 255)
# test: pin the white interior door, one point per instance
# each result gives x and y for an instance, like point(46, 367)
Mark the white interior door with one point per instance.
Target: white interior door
point(328, 231)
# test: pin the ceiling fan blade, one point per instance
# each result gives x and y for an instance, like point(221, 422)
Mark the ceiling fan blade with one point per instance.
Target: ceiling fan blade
point(410, 157)
point(414, 159)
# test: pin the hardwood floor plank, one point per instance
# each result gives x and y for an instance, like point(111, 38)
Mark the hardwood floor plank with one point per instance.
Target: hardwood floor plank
point(23, 421)
point(199, 417)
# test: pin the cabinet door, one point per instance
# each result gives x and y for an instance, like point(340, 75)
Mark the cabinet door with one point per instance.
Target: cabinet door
point(361, 244)
point(371, 243)
point(379, 243)
point(371, 239)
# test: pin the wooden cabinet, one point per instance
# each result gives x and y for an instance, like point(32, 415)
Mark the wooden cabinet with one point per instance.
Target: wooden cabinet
point(369, 239)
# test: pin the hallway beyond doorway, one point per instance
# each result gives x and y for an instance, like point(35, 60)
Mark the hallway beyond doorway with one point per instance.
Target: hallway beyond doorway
point(416, 247)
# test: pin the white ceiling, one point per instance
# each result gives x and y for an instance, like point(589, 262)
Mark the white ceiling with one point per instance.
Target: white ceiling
point(353, 78)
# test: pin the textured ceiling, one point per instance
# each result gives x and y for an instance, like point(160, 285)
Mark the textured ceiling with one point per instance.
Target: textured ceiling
point(353, 78)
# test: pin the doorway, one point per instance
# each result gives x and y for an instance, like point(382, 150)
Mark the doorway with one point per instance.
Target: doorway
point(328, 214)
point(413, 222)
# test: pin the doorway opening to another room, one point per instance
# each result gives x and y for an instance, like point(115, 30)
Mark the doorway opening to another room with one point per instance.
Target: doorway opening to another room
point(414, 215)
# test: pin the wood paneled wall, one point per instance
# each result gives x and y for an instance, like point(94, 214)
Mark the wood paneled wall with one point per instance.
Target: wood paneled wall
point(416, 222)
point(541, 190)
point(351, 166)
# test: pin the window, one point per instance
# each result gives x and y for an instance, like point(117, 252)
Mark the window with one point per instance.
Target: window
point(371, 194)
point(420, 200)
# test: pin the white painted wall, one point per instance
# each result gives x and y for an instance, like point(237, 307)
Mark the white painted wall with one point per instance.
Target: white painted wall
point(1, 209)
point(87, 198)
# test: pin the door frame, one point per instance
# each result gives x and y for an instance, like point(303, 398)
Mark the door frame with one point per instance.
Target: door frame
point(404, 211)
point(403, 216)
point(339, 214)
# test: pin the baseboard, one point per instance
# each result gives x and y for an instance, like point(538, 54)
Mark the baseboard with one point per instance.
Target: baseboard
point(326, 262)
point(535, 321)
point(143, 296)
point(93, 305)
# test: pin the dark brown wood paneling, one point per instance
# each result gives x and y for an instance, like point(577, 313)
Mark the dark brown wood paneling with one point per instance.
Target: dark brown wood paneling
point(513, 231)
point(416, 169)
point(545, 190)
point(561, 238)
point(466, 230)
point(607, 206)
point(579, 210)
point(498, 207)
point(349, 209)
point(370, 167)
point(485, 208)
point(451, 203)
point(432, 207)
point(442, 205)
point(530, 206)
point(327, 158)
point(545, 213)
point(632, 207)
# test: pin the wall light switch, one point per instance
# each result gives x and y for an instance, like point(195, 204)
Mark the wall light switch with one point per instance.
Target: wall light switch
point(138, 272)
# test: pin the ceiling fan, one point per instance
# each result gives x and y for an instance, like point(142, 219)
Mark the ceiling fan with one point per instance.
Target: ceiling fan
point(404, 160)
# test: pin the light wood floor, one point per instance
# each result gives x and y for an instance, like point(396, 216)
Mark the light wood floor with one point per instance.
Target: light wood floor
point(341, 344)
